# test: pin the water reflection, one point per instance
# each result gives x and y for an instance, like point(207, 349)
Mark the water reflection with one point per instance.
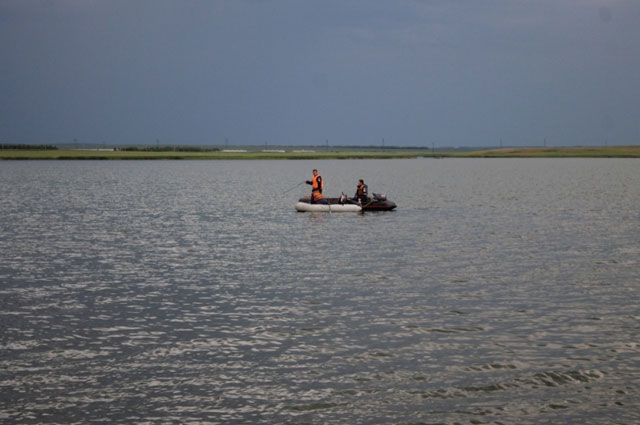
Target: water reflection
point(499, 291)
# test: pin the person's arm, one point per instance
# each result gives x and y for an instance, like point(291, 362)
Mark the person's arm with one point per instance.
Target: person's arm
point(308, 182)
point(320, 184)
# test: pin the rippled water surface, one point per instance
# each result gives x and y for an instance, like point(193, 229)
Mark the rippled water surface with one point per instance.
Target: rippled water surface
point(500, 291)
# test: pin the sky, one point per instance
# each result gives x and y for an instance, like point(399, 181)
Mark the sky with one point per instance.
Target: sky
point(311, 72)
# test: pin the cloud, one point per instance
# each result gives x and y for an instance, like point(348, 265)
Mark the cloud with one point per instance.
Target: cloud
point(347, 70)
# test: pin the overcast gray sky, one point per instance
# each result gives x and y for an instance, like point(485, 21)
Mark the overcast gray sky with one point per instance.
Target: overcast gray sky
point(414, 72)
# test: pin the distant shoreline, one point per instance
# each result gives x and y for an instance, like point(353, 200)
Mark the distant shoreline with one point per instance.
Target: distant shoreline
point(297, 154)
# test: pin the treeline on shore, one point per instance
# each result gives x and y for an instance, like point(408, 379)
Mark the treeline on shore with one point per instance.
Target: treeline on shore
point(16, 151)
point(166, 149)
point(22, 146)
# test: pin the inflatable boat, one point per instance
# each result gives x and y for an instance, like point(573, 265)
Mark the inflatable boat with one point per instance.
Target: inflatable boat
point(378, 202)
point(305, 206)
point(343, 204)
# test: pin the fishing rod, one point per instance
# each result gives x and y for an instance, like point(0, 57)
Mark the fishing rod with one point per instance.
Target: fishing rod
point(291, 188)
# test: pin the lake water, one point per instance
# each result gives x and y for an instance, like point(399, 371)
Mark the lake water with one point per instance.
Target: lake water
point(500, 291)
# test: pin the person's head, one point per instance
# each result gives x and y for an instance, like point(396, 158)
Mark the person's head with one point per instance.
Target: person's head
point(315, 172)
point(361, 181)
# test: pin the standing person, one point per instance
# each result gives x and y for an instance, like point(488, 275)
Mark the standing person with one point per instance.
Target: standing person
point(316, 186)
point(362, 192)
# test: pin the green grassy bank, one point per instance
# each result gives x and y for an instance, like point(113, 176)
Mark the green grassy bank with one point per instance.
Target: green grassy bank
point(293, 154)
point(567, 152)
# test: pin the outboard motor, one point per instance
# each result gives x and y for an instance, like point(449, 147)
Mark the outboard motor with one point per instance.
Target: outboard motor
point(379, 196)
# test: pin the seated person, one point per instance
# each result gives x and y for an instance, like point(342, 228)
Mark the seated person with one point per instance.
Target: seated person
point(362, 192)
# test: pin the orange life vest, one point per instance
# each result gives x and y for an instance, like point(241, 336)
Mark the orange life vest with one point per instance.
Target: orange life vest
point(316, 187)
point(361, 190)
